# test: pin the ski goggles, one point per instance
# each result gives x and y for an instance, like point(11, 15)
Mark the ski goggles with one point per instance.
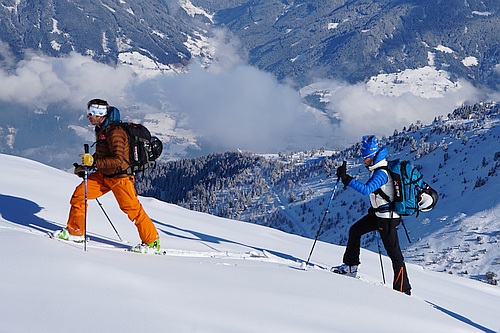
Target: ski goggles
point(97, 110)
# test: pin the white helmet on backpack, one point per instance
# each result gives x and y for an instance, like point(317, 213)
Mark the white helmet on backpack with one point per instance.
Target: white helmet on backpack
point(427, 199)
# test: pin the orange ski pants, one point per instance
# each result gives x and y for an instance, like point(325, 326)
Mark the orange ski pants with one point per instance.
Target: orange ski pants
point(124, 191)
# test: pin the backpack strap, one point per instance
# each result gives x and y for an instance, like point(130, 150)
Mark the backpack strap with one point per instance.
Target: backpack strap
point(389, 207)
point(383, 195)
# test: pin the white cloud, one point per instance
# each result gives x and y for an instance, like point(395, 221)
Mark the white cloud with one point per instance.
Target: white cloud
point(364, 112)
point(230, 104)
point(243, 108)
point(393, 101)
point(40, 80)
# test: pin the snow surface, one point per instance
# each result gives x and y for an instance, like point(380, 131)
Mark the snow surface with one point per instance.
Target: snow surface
point(470, 61)
point(213, 278)
point(425, 82)
point(192, 10)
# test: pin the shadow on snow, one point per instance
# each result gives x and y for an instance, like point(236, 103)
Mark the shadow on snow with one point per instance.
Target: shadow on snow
point(24, 212)
point(461, 318)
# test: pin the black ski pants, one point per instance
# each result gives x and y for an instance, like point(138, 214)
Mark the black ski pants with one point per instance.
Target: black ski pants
point(388, 229)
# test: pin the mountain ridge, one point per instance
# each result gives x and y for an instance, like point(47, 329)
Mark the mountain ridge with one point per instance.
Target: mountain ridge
point(352, 41)
point(299, 40)
point(456, 154)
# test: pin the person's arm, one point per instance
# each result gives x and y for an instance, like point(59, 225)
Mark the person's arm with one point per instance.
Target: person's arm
point(376, 181)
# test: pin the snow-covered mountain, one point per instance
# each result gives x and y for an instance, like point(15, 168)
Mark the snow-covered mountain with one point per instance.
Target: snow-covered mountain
point(355, 40)
point(147, 34)
point(213, 278)
point(299, 40)
point(458, 155)
point(209, 75)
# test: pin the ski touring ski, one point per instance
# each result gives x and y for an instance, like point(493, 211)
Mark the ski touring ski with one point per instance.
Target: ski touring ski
point(293, 263)
point(262, 255)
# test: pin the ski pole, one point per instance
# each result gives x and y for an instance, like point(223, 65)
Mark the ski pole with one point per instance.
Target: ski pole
point(406, 231)
point(321, 224)
point(85, 192)
point(380, 256)
point(102, 208)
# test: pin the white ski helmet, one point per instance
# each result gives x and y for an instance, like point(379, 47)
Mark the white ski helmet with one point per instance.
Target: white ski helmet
point(427, 199)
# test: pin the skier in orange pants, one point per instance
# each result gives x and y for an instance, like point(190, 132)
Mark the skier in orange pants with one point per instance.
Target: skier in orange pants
point(124, 192)
point(113, 173)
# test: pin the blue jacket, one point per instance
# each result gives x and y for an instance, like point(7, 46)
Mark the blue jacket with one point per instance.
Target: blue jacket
point(377, 179)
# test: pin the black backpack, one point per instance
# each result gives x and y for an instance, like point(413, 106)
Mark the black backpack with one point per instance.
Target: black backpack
point(144, 148)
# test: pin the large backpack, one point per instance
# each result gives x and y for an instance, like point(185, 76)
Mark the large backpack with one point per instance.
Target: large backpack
point(144, 148)
point(408, 188)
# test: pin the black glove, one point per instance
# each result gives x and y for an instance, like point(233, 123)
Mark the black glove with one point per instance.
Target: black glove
point(341, 170)
point(342, 174)
point(79, 170)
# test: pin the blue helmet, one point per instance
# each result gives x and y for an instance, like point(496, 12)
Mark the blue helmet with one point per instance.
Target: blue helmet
point(369, 146)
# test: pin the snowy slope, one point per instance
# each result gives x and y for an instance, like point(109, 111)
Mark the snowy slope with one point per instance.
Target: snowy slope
point(458, 155)
point(212, 279)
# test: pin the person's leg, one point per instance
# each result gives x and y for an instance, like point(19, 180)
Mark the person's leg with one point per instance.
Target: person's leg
point(389, 235)
point(126, 196)
point(364, 225)
point(95, 189)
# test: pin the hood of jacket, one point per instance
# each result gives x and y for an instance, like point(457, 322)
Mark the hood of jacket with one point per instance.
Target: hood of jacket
point(379, 159)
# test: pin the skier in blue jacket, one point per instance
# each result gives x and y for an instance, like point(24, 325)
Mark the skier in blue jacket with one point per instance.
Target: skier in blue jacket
point(380, 216)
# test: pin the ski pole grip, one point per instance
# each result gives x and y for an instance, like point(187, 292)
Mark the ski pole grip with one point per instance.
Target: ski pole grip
point(86, 148)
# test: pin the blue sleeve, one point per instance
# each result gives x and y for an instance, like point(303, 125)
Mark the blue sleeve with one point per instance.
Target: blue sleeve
point(376, 181)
